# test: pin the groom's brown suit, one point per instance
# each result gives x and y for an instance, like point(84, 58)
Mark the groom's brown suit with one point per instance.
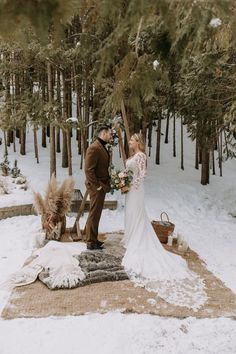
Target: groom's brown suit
point(97, 175)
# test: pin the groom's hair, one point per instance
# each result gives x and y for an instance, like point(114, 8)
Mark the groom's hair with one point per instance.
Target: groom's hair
point(103, 127)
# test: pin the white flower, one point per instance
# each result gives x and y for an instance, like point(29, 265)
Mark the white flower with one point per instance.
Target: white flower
point(155, 64)
point(215, 22)
point(121, 175)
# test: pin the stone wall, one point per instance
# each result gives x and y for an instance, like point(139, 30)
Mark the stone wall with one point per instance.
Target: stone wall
point(28, 209)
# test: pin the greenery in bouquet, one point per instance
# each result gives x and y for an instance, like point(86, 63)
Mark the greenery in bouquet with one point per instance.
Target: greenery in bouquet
point(121, 180)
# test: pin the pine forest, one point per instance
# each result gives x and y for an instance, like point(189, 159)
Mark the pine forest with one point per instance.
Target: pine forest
point(148, 65)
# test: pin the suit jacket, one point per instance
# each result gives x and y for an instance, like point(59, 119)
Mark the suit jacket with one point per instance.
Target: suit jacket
point(96, 167)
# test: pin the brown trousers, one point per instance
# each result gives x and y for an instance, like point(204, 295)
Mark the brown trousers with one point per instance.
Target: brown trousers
point(96, 205)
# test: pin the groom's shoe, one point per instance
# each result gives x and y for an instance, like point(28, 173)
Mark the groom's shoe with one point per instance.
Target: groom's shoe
point(93, 246)
point(100, 244)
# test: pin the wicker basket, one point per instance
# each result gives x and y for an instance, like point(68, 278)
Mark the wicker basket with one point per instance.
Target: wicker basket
point(163, 228)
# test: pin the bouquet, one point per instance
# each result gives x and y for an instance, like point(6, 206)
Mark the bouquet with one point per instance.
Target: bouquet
point(121, 180)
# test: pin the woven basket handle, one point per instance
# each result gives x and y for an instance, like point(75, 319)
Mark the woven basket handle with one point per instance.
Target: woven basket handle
point(165, 215)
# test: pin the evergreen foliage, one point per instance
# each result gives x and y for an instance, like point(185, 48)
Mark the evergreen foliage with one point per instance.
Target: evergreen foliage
point(146, 60)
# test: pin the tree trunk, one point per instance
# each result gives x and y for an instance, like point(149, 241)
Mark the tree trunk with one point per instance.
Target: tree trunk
point(14, 141)
point(200, 155)
point(45, 99)
point(58, 138)
point(22, 141)
point(77, 83)
point(81, 158)
point(48, 131)
point(64, 163)
point(182, 145)
point(44, 137)
point(69, 94)
point(149, 138)
point(205, 175)
point(86, 111)
point(52, 128)
point(167, 128)
point(196, 155)
point(174, 136)
point(52, 151)
point(226, 145)
point(36, 151)
point(83, 152)
point(220, 152)
point(69, 152)
point(158, 145)
point(58, 81)
point(9, 137)
point(66, 151)
point(18, 133)
point(5, 143)
point(213, 162)
point(79, 142)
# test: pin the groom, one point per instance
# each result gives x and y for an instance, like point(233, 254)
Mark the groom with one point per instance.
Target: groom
point(97, 162)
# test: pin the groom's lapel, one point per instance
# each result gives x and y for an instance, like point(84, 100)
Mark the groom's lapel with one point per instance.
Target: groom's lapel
point(102, 149)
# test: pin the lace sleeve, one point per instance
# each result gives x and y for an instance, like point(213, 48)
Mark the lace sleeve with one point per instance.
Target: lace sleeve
point(141, 164)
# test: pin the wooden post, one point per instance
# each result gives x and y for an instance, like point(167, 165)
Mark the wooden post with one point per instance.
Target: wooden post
point(76, 228)
point(121, 144)
point(125, 119)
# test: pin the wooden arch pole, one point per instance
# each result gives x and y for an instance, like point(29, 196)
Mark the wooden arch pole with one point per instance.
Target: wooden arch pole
point(121, 144)
point(125, 119)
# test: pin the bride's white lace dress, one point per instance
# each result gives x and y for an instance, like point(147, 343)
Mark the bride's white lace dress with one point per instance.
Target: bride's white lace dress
point(146, 261)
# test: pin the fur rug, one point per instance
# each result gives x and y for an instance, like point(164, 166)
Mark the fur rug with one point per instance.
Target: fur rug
point(96, 267)
point(64, 266)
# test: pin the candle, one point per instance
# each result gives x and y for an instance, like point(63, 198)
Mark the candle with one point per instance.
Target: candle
point(170, 240)
point(180, 248)
point(179, 238)
point(184, 246)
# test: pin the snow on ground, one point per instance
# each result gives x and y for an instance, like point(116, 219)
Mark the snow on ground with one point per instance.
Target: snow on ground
point(117, 333)
point(202, 214)
point(110, 333)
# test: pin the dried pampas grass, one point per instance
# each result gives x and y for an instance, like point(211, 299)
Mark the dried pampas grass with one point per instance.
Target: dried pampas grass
point(54, 206)
point(57, 198)
point(39, 204)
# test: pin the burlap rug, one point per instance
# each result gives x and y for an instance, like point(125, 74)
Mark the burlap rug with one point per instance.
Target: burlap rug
point(36, 300)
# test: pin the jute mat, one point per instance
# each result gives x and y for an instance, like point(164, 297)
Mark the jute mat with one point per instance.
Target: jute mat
point(36, 300)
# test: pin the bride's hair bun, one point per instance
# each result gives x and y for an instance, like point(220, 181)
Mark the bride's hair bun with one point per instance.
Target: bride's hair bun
point(139, 138)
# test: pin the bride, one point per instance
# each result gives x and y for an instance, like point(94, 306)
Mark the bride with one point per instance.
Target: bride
point(146, 261)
